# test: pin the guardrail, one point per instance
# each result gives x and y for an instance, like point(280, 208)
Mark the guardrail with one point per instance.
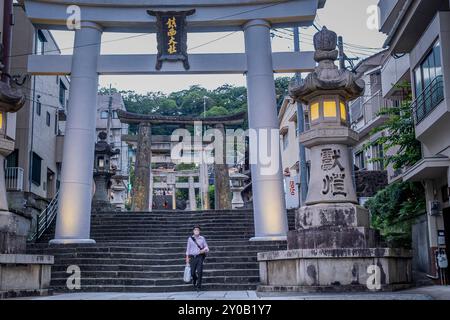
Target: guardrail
point(14, 179)
point(429, 99)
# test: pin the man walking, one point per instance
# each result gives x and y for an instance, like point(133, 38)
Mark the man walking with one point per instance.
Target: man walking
point(196, 251)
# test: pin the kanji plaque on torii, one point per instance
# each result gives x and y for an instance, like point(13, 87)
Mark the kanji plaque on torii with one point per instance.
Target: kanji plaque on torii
point(172, 36)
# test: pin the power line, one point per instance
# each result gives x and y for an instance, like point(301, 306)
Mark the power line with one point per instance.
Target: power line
point(212, 41)
point(348, 45)
point(146, 34)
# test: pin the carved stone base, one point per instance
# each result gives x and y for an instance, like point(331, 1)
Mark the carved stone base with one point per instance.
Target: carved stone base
point(336, 270)
point(332, 214)
point(14, 230)
point(333, 238)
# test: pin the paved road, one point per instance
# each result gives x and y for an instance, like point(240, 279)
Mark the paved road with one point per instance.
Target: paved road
point(424, 293)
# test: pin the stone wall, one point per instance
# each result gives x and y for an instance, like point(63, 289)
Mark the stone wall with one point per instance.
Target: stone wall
point(368, 183)
point(27, 204)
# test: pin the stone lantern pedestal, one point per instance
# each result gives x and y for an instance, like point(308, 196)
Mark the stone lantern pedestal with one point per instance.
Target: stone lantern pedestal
point(332, 247)
point(237, 186)
point(20, 273)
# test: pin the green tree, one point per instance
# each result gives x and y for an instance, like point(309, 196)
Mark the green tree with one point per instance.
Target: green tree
point(394, 209)
point(215, 112)
point(400, 134)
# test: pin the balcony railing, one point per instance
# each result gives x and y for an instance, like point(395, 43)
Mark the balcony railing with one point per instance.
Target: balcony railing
point(14, 179)
point(429, 99)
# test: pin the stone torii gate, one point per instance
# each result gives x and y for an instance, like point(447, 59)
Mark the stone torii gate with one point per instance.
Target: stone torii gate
point(141, 192)
point(254, 18)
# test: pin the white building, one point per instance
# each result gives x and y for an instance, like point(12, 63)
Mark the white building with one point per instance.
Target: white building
point(419, 47)
point(289, 145)
point(35, 156)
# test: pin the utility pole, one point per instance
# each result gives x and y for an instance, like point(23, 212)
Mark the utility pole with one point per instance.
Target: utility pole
point(341, 53)
point(108, 126)
point(342, 56)
point(8, 22)
point(301, 128)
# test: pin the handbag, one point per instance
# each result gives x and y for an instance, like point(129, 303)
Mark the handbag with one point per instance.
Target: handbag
point(195, 241)
point(187, 274)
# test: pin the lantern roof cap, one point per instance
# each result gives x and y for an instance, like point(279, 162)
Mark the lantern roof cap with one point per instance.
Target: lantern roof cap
point(327, 78)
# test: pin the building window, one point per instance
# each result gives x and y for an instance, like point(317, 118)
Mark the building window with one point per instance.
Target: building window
point(56, 123)
point(12, 161)
point(104, 115)
point(445, 193)
point(40, 45)
point(115, 115)
point(36, 169)
point(307, 122)
point(62, 94)
point(285, 140)
point(378, 153)
point(428, 83)
point(38, 107)
point(48, 119)
point(360, 160)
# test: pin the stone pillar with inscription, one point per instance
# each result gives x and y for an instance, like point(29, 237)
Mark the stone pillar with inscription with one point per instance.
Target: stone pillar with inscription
point(332, 246)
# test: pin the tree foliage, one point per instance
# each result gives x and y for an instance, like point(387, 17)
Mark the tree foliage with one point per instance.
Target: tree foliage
point(226, 99)
point(393, 210)
point(400, 134)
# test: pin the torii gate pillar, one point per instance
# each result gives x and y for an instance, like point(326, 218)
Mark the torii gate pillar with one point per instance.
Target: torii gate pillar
point(268, 194)
point(73, 224)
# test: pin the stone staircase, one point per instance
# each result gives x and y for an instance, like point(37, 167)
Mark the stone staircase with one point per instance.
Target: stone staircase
point(144, 252)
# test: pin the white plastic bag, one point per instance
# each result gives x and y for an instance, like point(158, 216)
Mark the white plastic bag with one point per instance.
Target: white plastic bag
point(187, 274)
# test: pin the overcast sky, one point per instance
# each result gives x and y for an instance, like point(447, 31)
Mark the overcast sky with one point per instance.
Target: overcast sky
point(346, 17)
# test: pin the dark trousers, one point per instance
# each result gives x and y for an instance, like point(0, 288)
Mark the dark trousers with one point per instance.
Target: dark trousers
point(196, 263)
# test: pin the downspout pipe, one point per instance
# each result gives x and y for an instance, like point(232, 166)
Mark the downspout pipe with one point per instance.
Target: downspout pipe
point(7, 39)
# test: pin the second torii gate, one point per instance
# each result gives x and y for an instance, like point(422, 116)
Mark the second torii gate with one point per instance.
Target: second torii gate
point(142, 184)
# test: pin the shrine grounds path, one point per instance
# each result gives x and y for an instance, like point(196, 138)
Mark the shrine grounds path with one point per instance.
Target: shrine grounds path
point(423, 293)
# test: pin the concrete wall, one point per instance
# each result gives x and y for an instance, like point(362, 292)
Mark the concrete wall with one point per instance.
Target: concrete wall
point(32, 132)
point(394, 71)
point(420, 245)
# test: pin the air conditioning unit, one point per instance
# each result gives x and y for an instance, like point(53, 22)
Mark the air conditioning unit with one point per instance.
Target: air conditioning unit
point(435, 208)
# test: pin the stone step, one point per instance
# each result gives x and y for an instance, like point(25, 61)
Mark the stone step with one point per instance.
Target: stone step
point(178, 274)
point(157, 268)
point(177, 233)
point(172, 238)
point(156, 256)
point(144, 252)
point(151, 243)
point(152, 250)
point(156, 282)
point(136, 261)
point(146, 289)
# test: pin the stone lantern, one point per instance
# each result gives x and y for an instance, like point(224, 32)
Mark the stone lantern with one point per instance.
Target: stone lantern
point(13, 228)
point(237, 181)
point(332, 246)
point(21, 273)
point(103, 173)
